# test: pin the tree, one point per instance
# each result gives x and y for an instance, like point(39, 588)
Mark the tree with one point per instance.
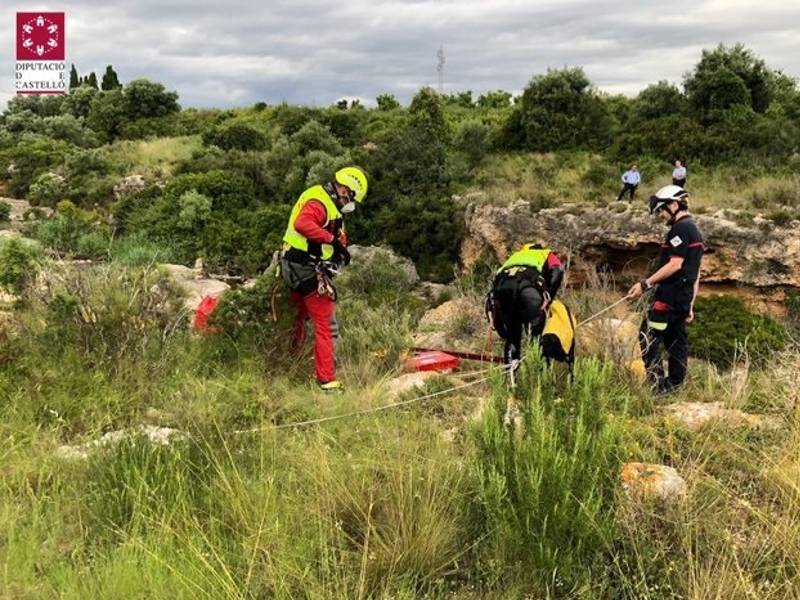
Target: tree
point(494, 99)
point(107, 114)
point(79, 101)
point(472, 139)
point(659, 100)
point(110, 80)
point(145, 99)
point(235, 137)
point(718, 79)
point(74, 80)
point(560, 110)
point(92, 80)
point(387, 102)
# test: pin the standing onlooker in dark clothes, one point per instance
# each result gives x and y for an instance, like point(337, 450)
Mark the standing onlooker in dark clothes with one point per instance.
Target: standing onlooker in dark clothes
point(630, 181)
point(679, 175)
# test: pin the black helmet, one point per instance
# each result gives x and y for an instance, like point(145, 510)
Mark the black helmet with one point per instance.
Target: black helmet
point(667, 194)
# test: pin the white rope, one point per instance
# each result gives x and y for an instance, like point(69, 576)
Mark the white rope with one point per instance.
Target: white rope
point(605, 310)
point(366, 411)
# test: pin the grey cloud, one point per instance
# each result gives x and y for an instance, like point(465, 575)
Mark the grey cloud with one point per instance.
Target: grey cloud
point(313, 52)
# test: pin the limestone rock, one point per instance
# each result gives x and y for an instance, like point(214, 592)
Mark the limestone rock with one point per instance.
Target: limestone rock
point(459, 323)
point(408, 381)
point(644, 481)
point(160, 436)
point(19, 208)
point(694, 416)
point(195, 288)
point(626, 238)
point(129, 185)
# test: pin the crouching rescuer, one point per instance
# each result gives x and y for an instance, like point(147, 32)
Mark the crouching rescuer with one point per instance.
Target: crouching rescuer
point(315, 248)
point(522, 291)
point(676, 283)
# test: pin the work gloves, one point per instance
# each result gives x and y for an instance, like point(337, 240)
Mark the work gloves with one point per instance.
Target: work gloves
point(340, 252)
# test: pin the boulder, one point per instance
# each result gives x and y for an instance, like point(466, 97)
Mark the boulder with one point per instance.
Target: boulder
point(196, 288)
point(642, 481)
point(694, 416)
point(460, 323)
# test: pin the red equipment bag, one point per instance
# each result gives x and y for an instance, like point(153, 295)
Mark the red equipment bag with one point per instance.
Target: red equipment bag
point(204, 310)
point(432, 361)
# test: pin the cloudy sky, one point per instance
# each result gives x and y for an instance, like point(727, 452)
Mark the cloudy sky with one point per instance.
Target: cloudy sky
point(237, 52)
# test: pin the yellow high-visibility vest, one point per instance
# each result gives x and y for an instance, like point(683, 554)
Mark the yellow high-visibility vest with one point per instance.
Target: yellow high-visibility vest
point(295, 239)
point(535, 258)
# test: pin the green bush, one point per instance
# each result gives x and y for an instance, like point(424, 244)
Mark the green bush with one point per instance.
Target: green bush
point(19, 262)
point(724, 327)
point(47, 190)
point(547, 491)
point(5, 212)
point(106, 313)
point(235, 137)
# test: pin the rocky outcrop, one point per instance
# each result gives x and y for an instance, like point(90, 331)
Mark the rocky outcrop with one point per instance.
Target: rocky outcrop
point(20, 209)
point(623, 239)
point(129, 185)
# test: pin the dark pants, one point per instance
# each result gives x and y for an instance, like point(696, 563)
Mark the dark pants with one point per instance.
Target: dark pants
point(679, 182)
point(673, 339)
point(628, 187)
point(519, 310)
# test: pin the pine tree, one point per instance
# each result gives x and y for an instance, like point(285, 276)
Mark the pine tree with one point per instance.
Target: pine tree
point(110, 79)
point(92, 80)
point(74, 80)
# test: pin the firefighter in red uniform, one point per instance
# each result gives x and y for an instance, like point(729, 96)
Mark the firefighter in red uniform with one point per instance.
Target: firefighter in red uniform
point(315, 247)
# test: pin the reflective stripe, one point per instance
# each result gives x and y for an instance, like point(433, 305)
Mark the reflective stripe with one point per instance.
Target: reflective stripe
point(295, 239)
point(656, 325)
point(535, 258)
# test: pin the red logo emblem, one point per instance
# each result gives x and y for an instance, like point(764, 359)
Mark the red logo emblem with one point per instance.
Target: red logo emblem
point(40, 36)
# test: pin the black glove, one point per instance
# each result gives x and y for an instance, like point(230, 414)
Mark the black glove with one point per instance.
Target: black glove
point(340, 252)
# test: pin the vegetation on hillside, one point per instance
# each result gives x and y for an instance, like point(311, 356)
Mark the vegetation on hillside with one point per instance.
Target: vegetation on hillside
point(734, 121)
point(436, 499)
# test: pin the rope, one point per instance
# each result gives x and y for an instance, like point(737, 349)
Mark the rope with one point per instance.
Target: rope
point(605, 310)
point(366, 411)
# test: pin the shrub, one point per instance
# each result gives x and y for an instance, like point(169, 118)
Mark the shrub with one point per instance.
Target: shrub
point(194, 210)
point(47, 190)
point(106, 312)
point(19, 262)
point(472, 138)
point(5, 212)
point(547, 491)
point(235, 137)
point(725, 327)
point(74, 231)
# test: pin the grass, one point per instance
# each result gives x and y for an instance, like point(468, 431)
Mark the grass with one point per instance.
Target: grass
point(424, 502)
point(153, 158)
point(547, 180)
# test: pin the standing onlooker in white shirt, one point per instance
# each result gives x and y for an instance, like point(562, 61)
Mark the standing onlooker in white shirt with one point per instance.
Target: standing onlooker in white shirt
point(630, 180)
point(679, 175)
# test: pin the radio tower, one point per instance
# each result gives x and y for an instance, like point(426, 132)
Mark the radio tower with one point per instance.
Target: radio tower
point(440, 68)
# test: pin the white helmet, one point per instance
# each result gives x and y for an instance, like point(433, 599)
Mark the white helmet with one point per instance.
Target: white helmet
point(667, 194)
